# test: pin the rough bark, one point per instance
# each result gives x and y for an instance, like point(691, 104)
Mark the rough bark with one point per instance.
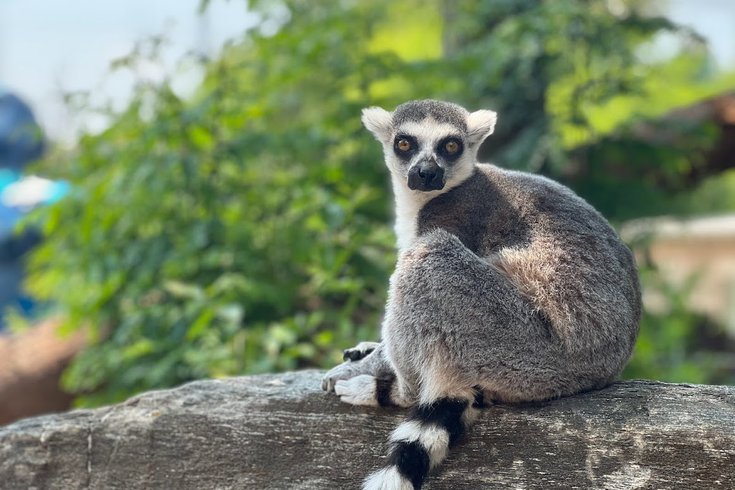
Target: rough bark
point(282, 431)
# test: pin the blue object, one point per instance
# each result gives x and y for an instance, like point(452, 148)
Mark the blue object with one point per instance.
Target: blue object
point(21, 139)
point(21, 142)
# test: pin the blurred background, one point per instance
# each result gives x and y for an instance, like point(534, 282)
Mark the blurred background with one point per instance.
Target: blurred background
point(186, 190)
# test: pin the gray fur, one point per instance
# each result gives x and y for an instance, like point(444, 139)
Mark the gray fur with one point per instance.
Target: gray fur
point(443, 112)
point(488, 222)
point(507, 281)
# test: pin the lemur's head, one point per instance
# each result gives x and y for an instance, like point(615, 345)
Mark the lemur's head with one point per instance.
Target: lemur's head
point(429, 144)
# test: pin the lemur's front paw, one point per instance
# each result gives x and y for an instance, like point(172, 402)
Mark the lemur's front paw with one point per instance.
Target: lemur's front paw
point(346, 370)
point(359, 351)
point(352, 367)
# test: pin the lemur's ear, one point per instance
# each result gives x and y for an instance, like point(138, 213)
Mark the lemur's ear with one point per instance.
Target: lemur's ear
point(378, 121)
point(480, 125)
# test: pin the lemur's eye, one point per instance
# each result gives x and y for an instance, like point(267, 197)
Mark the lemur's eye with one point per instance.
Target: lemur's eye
point(403, 144)
point(450, 148)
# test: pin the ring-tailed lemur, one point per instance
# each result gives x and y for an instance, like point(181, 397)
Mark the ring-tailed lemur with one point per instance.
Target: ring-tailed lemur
point(508, 287)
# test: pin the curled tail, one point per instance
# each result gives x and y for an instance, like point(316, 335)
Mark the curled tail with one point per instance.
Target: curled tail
point(421, 442)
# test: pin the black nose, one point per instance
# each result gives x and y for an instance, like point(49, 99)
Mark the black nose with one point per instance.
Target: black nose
point(426, 176)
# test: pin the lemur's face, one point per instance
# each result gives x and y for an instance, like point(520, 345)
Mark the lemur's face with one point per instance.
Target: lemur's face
point(427, 154)
point(429, 145)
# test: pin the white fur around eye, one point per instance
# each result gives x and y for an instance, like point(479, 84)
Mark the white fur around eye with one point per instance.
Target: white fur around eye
point(428, 131)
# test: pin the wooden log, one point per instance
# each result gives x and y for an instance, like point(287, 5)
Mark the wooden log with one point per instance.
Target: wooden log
point(283, 432)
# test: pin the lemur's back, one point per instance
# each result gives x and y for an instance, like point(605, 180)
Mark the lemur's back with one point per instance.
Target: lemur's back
point(558, 252)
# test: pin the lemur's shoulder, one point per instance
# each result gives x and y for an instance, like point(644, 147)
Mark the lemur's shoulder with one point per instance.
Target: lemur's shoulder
point(524, 184)
point(542, 199)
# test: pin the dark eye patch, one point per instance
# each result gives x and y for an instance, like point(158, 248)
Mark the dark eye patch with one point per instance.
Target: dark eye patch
point(445, 145)
point(405, 154)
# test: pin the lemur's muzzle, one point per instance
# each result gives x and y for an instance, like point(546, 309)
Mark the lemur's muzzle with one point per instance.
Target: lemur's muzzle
point(426, 175)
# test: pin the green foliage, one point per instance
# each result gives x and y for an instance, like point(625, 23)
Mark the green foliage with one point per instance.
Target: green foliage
point(676, 344)
point(247, 229)
point(244, 231)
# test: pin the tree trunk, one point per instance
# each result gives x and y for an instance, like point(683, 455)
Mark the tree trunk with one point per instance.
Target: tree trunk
point(283, 432)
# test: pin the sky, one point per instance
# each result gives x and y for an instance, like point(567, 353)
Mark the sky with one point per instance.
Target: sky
point(51, 46)
point(714, 19)
point(48, 47)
